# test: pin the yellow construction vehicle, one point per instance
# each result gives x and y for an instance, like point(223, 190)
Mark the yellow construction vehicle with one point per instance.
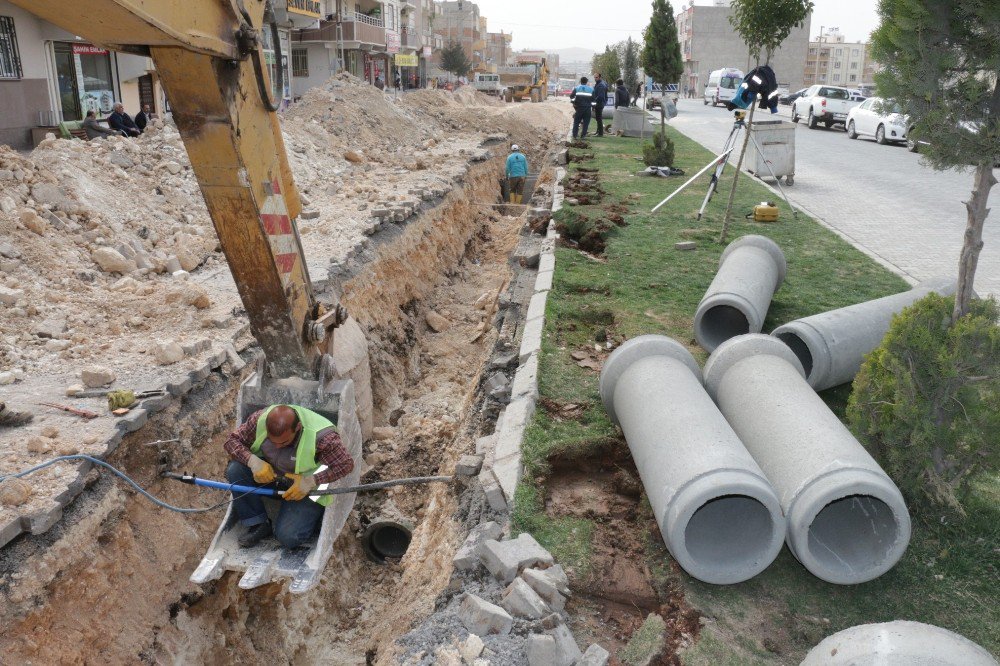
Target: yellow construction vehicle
point(528, 80)
point(209, 58)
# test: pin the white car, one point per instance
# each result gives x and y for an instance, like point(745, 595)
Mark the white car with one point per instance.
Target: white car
point(879, 118)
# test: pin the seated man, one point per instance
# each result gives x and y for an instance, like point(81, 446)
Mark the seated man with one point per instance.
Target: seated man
point(121, 121)
point(94, 129)
point(143, 117)
point(299, 444)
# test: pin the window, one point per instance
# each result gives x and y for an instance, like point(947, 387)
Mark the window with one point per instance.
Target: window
point(854, 77)
point(822, 77)
point(854, 65)
point(390, 17)
point(812, 52)
point(836, 65)
point(854, 53)
point(836, 77)
point(84, 79)
point(840, 52)
point(10, 58)
point(300, 62)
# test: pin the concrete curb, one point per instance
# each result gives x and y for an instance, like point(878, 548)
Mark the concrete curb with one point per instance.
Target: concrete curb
point(502, 469)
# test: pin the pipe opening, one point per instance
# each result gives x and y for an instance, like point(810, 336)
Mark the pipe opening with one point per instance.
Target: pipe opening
point(386, 539)
point(722, 322)
point(729, 532)
point(800, 349)
point(852, 534)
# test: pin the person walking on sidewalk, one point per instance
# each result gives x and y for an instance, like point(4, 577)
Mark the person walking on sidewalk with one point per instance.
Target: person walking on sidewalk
point(304, 447)
point(517, 171)
point(581, 97)
point(600, 100)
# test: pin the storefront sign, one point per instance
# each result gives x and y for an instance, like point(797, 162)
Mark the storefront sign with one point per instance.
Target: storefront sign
point(309, 8)
point(428, 52)
point(88, 49)
point(392, 42)
point(407, 60)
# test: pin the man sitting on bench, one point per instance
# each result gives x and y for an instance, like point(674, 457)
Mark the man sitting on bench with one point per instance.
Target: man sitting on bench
point(94, 128)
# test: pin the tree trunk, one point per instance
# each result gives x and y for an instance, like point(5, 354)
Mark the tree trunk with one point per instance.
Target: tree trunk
point(969, 258)
point(736, 175)
point(663, 120)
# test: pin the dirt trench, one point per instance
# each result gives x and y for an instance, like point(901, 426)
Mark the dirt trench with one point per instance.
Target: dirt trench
point(110, 582)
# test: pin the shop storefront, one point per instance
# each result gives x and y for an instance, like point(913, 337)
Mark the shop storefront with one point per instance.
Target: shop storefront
point(84, 79)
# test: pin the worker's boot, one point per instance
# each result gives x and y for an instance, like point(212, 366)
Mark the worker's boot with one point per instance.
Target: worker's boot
point(517, 198)
point(254, 535)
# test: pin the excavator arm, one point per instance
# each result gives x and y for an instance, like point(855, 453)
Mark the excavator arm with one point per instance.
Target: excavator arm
point(209, 59)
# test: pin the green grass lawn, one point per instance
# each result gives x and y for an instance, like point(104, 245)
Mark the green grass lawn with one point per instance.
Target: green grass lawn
point(643, 285)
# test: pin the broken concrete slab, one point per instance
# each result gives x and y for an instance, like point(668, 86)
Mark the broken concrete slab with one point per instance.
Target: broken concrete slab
point(595, 656)
point(526, 380)
point(567, 651)
point(544, 281)
point(508, 472)
point(482, 618)
point(531, 339)
point(522, 601)
point(494, 493)
point(541, 650)
point(505, 559)
point(536, 308)
point(469, 465)
point(96, 376)
point(545, 586)
point(467, 556)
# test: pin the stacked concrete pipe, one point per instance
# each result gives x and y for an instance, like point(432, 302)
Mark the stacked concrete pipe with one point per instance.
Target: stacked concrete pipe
point(898, 643)
point(831, 346)
point(750, 270)
point(847, 522)
point(718, 515)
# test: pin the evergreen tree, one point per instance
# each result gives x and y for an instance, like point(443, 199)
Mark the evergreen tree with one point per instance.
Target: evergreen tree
point(941, 63)
point(454, 60)
point(608, 64)
point(629, 54)
point(661, 55)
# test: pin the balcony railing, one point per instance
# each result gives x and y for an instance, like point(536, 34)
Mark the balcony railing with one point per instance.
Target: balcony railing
point(357, 28)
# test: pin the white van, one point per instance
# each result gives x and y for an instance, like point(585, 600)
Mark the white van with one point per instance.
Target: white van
point(722, 85)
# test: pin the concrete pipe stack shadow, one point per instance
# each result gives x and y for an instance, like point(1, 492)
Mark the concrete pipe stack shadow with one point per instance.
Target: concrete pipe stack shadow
point(717, 512)
point(750, 270)
point(832, 345)
point(847, 522)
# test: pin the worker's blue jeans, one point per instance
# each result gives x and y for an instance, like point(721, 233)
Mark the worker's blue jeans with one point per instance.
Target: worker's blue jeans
point(296, 522)
point(581, 116)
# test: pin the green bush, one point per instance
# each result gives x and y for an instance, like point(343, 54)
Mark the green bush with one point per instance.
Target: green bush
point(658, 153)
point(926, 403)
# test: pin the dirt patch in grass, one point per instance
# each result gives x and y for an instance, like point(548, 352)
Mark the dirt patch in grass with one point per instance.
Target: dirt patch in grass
point(621, 586)
point(581, 231)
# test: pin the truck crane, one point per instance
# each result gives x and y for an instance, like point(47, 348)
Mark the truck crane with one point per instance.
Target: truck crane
point(209, 57)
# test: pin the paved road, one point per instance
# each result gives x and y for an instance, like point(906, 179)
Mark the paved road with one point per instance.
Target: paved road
point(880, 197)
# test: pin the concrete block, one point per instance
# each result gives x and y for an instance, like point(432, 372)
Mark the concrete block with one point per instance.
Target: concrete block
point(847, 521)
point(544, 281)
point(467, 556)
point(482, 618)
point(515, 421)
point(536, 307)
point(541, 650)
point(504, 559)
point(157, 403)
point(135, 419)
point(179, 386)
point(526, 380)
point(494, 493)
point(531, 339)
point(508, 474)
point(832, 345)
point(718, 514)
point(545, 586)
point(521, 601)
point(547, 263)
point(686, 245)
point(557, 574)
point(900, 642)
point(40, 523)
point(567, 651)
point(750, 270)
point(595, 656)
point(469, 465)
point(486, 444)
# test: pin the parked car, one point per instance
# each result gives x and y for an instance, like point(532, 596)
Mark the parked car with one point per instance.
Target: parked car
point(878, 118)
point(823, 104)
point(789, 98)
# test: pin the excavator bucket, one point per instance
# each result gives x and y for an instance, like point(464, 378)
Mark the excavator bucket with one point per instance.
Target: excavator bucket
point(268, 561)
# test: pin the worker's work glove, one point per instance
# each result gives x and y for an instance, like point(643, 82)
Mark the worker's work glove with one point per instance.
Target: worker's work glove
point(262, 471)
point(304, 484)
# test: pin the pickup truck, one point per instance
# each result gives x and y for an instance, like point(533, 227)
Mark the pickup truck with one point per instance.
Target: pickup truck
point(823, 104)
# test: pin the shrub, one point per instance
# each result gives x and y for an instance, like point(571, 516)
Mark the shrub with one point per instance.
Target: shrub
point(927, 401)
point(658, 153)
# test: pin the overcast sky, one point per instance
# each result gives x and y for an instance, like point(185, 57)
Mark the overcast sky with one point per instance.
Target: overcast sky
point(560, 24)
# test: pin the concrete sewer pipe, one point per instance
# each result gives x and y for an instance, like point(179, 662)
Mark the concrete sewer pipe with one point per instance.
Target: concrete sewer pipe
point(750, 270)
point(719, 516)
point(832, 345)
point(847, 522)
point(898, 643)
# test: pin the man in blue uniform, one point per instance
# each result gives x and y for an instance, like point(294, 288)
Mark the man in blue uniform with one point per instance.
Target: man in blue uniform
point(581, 97)
point(517, 171)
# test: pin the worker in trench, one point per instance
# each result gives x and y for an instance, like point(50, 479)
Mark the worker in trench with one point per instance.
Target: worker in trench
point(517, 171)
point(298, 444)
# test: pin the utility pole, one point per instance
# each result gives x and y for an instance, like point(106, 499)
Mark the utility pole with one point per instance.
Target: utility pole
point(819, 49)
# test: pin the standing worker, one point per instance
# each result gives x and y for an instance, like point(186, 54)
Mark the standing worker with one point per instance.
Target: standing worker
point(301, 445)
point(517, 171)
point(581, 97)
point(621, 95)
point(600, 100)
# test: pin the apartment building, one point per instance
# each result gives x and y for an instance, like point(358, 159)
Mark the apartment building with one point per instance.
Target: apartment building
point(833, 60)
point(709, 42)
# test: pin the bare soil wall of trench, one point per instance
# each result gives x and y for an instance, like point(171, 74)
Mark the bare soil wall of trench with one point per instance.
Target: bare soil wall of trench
point(110, 582)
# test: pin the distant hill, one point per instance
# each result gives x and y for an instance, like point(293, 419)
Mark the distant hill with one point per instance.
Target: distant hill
point(574, 54)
